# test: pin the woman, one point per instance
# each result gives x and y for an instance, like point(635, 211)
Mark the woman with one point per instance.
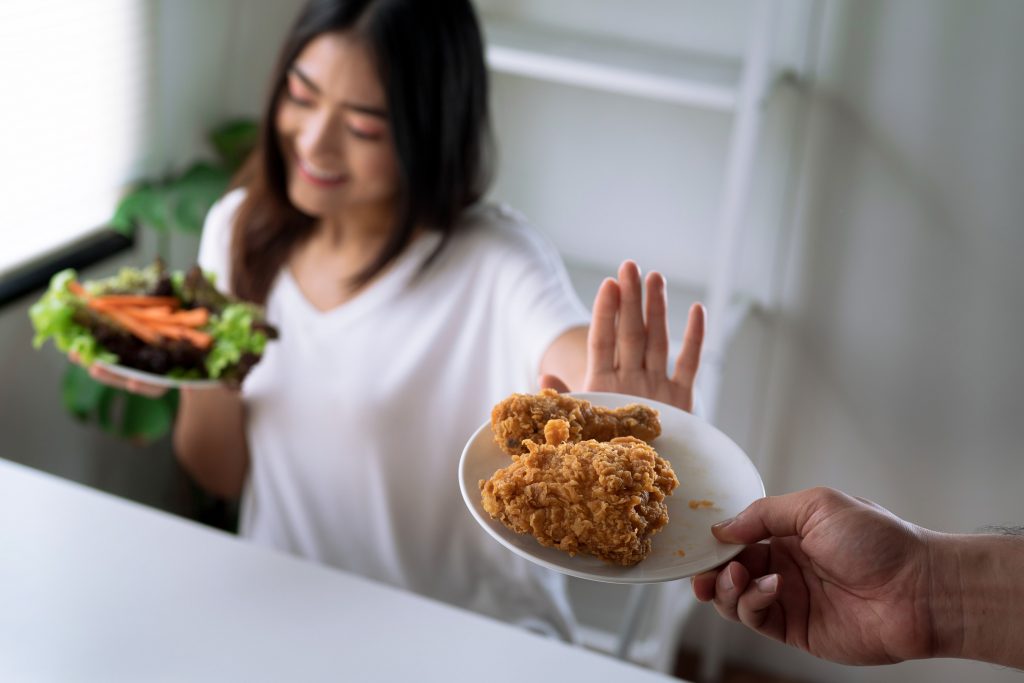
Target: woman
point(406, 310)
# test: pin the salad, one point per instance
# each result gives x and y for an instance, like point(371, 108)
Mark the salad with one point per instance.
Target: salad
point(173, 324)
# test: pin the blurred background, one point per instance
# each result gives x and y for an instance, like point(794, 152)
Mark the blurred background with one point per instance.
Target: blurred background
point(841, 180)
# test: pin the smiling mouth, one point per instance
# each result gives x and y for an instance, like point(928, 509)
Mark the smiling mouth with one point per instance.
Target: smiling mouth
point(320, 177)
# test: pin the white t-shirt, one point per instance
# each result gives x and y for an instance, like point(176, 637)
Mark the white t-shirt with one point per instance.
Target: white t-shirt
point(356, 417)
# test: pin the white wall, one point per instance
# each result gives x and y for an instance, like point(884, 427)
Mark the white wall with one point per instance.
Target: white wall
point(214, 60)
point(898, 366)
point(609, 177)
point(907, 298)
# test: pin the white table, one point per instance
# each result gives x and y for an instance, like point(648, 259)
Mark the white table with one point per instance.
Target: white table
point(96, 588)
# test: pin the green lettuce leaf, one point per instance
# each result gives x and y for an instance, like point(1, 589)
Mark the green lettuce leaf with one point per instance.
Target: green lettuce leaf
point(53, 318)
point(233, 338)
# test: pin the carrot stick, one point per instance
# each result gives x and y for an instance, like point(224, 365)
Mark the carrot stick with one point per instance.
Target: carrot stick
point(140, 330)
point(76, 288)
point(136, 300)
point(196, 317)
point(148, 312)
point(167, 331)
point(199, 339)
point(150, 318)
point(195, 337)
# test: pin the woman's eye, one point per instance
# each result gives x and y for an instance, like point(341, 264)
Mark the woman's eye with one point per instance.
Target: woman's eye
point(363, 134)
point(295, 99)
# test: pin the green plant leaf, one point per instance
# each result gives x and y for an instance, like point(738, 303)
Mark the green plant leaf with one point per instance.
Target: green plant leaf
point(146, 205)
point(172, 398)
point(195, 192)
point(81, 394)
point(104, 414)
point(148, 418)
point(124, 215)
point(234, 141)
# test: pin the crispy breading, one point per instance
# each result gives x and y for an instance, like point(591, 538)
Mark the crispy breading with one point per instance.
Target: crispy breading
point(602, 498)
point(523, 416)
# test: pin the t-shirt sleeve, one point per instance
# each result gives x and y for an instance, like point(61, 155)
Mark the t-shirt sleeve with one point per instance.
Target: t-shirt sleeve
point(215, 245)
point(541, 302)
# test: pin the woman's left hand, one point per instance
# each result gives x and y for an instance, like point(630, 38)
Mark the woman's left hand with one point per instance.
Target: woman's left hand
point(627, 350)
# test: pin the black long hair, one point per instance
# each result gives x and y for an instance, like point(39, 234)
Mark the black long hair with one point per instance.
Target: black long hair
point(429, 57)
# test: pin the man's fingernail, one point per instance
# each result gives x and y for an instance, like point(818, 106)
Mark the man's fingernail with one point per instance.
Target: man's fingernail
point(724, 523)
point(725, 582)
point(768, 584)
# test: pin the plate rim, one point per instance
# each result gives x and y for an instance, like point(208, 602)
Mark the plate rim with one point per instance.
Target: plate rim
point(724, 557)
point(159, 380)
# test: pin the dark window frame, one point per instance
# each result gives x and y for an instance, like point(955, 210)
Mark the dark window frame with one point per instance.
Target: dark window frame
point(89, 251)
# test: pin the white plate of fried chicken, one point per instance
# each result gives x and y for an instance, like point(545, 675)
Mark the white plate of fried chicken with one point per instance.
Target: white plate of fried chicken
point(606, 487)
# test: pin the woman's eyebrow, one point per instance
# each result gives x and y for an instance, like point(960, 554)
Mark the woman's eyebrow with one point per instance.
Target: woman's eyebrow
point(361, 108)
point(297, 72)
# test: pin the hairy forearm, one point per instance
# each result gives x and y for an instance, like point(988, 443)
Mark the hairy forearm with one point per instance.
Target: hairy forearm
point(209, 440)
point(978, 597)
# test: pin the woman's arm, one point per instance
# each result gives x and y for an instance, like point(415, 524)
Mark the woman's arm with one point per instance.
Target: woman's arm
point(209, 439)
point(209, 435)
point(564, 365)
point(625, 349)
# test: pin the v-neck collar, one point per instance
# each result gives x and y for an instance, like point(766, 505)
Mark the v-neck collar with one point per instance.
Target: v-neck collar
point(383, 288)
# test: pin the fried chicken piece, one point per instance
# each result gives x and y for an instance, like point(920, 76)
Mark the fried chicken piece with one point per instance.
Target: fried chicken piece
point(523, 416)
point(602, 498)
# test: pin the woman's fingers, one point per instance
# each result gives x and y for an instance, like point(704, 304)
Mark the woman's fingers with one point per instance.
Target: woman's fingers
point(693, 339)
point(107, 377)
point(143, 389)
point(131, 385)
point(134, 386)
point(656, 357)
point(630, 340)
point(601, 336)
point(632, 337)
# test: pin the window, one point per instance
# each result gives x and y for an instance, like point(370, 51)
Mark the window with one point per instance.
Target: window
point(74, 128)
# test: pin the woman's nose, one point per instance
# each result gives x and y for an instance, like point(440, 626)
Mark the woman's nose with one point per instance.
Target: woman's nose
point(322, 135)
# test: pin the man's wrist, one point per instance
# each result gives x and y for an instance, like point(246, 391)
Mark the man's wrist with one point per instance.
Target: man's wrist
point(977, 597)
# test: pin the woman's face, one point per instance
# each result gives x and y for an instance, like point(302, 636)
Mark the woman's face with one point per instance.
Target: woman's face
point(332, 124)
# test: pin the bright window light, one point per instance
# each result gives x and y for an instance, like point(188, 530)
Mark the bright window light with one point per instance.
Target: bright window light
point(75, 104)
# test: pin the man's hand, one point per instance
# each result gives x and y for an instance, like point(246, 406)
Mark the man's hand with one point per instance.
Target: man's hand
point(841, 578)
